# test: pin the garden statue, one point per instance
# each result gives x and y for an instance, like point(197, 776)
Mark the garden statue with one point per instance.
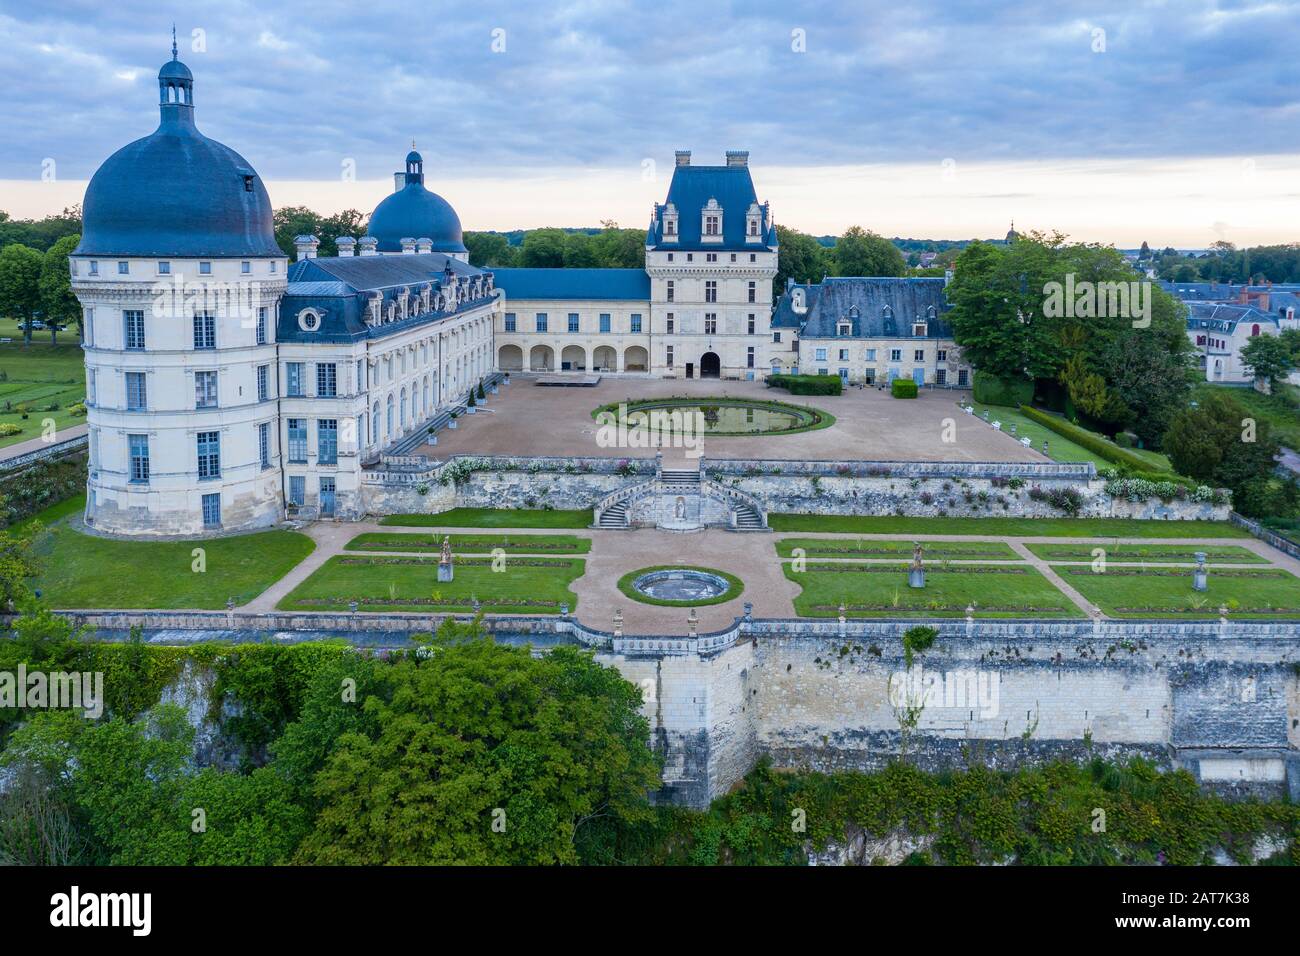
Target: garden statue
point(1199, 576)
point(916, 575)
point(618, 622)
point(445, 572)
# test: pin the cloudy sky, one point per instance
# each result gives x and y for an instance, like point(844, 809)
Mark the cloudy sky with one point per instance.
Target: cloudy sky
point(1111, 120)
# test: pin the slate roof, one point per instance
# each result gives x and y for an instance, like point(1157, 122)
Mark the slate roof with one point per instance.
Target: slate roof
point(885, 307)
point(690, 191)
point(364, 273)
point(613, 284)
point(1224, 317)
point(784, 315)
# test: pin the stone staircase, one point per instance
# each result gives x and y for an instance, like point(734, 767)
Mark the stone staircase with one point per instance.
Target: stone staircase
point(680, 499)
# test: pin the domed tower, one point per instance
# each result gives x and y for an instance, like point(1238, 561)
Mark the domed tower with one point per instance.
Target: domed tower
point(180, 276)
point(415, 220)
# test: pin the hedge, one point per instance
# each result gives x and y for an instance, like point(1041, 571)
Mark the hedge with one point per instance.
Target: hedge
point(902, 388)
point(807, 384)
point(991, 390)
point(1089, 440)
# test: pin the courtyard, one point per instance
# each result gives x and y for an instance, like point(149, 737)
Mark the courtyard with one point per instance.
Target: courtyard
point(529, 419)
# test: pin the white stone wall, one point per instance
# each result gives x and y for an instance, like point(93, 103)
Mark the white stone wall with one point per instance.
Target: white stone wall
point(617, 351)
point(170, 500)
point(874, 358)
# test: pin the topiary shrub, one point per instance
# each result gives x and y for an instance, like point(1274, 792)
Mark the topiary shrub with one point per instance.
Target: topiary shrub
point(991, 390)
point(903, 388)
point(807, 384)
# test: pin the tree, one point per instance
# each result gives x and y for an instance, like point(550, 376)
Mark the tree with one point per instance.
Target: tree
point(862, 253)
point(59, 306)
point(20, 291)
point(489, 249)
point(543, 249)
point(1268, 357)
point(291, 221)
point(480, 753)
point(1221, 444)
point(802, 259)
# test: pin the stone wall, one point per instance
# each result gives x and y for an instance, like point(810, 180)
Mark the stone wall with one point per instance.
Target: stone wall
point(923, 489)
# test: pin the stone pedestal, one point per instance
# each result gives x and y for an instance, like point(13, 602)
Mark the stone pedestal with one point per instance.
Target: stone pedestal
point(445, 573)
point(916, 578)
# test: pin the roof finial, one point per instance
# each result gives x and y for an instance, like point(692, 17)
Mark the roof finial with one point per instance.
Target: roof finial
point(412, 142)
point(175, 52)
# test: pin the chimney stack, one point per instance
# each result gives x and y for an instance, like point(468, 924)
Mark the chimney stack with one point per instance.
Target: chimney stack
point(347, 246)
point(424, 245)
point(408, 246)
point(369, 246)
point(737, 157)
point(683, 157)
point(306, 246)
point(399, 182)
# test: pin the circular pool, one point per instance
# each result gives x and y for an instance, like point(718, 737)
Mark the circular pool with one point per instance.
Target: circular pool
point(717, 417)
point(680, 585)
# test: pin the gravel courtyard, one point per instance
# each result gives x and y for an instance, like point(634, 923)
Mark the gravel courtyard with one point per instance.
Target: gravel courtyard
point(529, 419)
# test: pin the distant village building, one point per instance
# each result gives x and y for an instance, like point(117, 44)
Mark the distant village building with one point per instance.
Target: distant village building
point(1223, 317)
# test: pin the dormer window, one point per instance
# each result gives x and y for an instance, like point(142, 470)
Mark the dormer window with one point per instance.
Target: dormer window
point(918, 330)
point(670, 223)
point(754, 223)
point(711, 222)
point(94, 267)
point(309, 320)
point(846, 328)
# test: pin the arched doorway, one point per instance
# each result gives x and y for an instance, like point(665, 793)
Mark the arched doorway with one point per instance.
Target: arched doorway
point(512, 358)
point(710, 365)
point(636, 359)
point(573, 359)
point(541, 358)
point(605, 359)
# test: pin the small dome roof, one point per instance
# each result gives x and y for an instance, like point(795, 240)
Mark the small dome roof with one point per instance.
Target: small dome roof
point(414, 211)
point(177, 193)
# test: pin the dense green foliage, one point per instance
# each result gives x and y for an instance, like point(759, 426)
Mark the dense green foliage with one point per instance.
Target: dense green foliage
point(1224, 262)
point(903, 388)
point(1117, 369)
point(807, 384)
point(1089, 440)
point(1220, 443)
point(26, 492)
point(1035, 816)
point(291, 221)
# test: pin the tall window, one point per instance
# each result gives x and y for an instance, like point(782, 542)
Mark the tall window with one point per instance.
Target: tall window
point(297, 490)
point(264, 444)
point(671, 290)
point(604, 321)
point(710, 323)
point(636, 321)
point(510, 322)
point(212, 511)
point(263, 382)
point(670, 323)
point(710, 290)
point(573, 321)
point(327, 380)
point(139, 450)
point(541, 321)
point(205, 389)
point(710, 225)
point(293, 379)
point(668, 357)
point(749, 357)
point(261, 326)
point(753, 291)
point(327, 441)
point(134, 322)
point(297, 440)
point(750, 327)
point(137, 399)
point(205, 331)
point(209, 446)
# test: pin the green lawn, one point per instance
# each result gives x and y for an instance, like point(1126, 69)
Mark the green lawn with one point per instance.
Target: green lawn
point(472, 543)
point(523, 586)
point(1007, 527)
point(46, 379)
point(1281, 411)
point(1060, 448)
point(1150, 553)
point(47, 516)
point(874, 590)
point(81, 571)
point(866, 548)
point(493, 518)
point(1248, 593)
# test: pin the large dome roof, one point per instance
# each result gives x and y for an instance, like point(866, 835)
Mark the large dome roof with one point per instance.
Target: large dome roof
point(414, 212)
point(176, 193)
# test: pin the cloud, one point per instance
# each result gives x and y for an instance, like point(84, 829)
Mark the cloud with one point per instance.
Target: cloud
point(299, 87)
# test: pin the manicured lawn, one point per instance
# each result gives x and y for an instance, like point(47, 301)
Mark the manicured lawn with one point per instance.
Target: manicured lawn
point(81, 571)
point(874, 590)
point(47, 516)
point(1168, 593)
point(493, 518)
point(1281, 411)
point(46, 379)
point(735, 589)
point(472, 543)
point(523, 586)
point(1059, 448)
point(1007, 527)
point(1150, 553)
point(867, 548)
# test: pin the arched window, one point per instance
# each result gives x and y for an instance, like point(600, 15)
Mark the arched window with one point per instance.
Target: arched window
point(402, 419)
point(390, 413)
point(374, 424)
point(1254, 330)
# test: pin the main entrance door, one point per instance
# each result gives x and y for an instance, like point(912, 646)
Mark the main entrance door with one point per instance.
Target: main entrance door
point(710, 365)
